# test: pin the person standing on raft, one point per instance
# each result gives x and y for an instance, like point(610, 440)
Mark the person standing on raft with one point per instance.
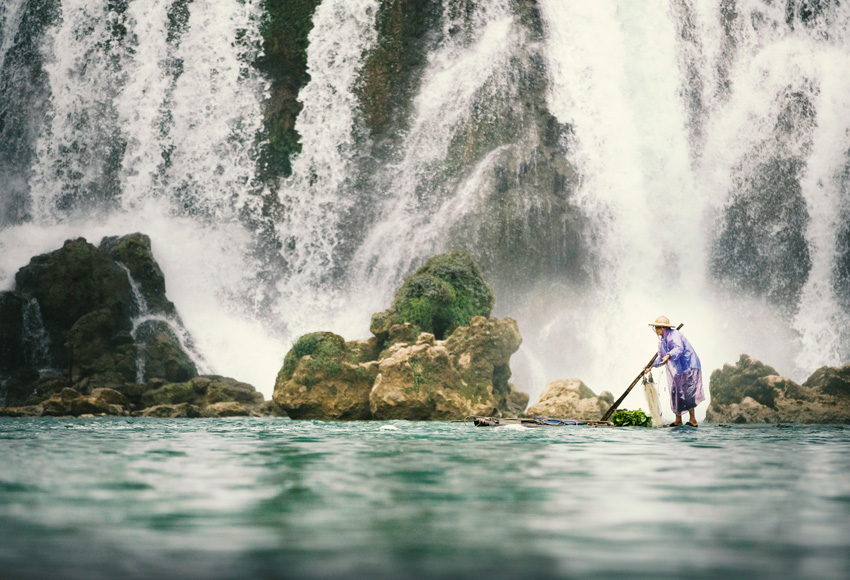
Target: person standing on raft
point(684, 371)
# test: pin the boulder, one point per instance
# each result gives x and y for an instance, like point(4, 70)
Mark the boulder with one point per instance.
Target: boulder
point(100, 402)
point(482, 352)
point(570, 399)
point(751, 392)
point(324, 377)
point(59, 404)
point(467, 374)
point(445, 293)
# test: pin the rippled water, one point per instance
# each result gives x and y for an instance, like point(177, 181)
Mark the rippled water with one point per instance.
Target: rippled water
point(273, 498)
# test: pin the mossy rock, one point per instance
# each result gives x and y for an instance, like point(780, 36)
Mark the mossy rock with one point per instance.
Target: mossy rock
point(99, 344)
point(72, 282)
point(326, 350)
point(445, 293)
point(284, 62)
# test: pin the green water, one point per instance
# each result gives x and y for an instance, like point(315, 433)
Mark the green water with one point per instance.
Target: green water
point(272, 498)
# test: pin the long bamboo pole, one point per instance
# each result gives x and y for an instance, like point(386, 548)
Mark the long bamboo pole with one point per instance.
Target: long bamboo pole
point(616, 404)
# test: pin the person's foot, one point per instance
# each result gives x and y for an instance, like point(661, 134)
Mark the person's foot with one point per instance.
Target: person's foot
point(674, 424)
point(690, 424)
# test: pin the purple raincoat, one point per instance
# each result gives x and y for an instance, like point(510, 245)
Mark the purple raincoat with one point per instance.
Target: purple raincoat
point(684, 371)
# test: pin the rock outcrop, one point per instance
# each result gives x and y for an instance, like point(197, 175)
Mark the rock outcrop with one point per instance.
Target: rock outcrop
point(571, 399)
point(467, 374)
point(406, 371)
point(89, 331)
point(752, 392)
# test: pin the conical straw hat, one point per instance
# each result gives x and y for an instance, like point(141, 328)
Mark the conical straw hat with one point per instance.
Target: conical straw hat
point(662, 321)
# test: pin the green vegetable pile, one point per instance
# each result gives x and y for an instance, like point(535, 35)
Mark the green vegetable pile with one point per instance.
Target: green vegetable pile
point(631, 419)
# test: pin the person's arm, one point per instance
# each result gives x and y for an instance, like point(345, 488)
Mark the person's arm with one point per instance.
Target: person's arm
point(676, 345)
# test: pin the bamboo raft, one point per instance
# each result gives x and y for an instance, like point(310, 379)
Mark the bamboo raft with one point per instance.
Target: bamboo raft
point(532, 422)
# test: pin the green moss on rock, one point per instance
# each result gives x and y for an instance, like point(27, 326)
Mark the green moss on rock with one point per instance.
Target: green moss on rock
point(445, 293)
point(326, 350)
point(284, 62)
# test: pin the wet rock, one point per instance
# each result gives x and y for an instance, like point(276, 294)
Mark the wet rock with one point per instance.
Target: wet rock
point(13, 354)
point(752, 392)
point(162, 354)
point(570, 399)
point(71, 315)
point(70, 283)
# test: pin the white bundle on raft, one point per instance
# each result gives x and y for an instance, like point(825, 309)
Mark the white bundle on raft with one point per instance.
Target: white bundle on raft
point(652, 400)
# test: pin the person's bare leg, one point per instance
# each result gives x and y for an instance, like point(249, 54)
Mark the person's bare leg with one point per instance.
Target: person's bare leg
point(678, 420)
point(693, 418)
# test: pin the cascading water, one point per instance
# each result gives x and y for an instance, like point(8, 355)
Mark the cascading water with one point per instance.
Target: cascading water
point(174, 327)
point(625, 160)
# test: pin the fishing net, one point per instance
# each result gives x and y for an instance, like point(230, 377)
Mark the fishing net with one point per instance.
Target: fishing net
point(652, 400)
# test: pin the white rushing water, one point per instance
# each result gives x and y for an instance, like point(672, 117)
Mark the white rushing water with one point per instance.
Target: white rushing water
point(672, 105)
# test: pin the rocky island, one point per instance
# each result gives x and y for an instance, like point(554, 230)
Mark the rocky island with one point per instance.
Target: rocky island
point(435, 354)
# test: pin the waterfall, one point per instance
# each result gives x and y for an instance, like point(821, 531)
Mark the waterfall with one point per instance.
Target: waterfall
point(607, 162)
point(172, 323)
point(319, 192)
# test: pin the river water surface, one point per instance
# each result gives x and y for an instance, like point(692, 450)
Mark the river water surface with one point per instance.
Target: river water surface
point(273, 498)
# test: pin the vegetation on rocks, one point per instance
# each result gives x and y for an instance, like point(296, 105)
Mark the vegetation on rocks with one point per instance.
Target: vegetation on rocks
point(445, 293)
point(284, 62)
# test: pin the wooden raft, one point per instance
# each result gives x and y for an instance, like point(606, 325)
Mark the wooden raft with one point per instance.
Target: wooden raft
point(533, 422)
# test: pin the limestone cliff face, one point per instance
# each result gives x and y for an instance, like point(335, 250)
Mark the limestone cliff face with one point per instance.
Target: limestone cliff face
point(752, 392)
point(571, 399)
